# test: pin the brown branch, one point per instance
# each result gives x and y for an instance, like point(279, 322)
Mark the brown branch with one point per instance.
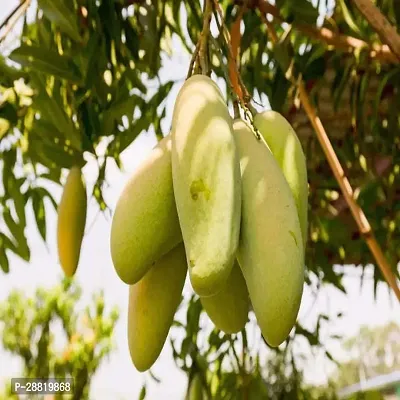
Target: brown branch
point(13, 17)
point(339, 41)
point(344, 184)
point(348, 43)
point(382, 26)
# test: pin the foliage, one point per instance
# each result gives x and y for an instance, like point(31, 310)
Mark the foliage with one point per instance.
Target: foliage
point(79, 88)
point(84, 82)
point(28, 327)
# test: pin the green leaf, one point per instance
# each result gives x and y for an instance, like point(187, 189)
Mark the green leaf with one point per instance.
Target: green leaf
point(39, 212)
point(17, 230)
point(47, 61)
point(132, 75)
point(54, 113)
point(92, 57)
point(279, 90)
point(12, 187)
point(4, 264)
point(310, 336)
point(339, 85)
point(283, 52)
point(132, 38)
point(4, 127)
point(193, 317)
point(9, 112)
point(43, 193)
point(53, 156)
point(383, 82)
point(57, 12)
point(348, 17)
point(142, 394)
point(122, 106)
point(303, 11)
point(9, 74)
point(126, 137)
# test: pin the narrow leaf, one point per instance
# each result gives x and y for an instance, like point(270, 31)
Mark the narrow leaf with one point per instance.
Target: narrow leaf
point(349, 18)
point(142, 394)
point(39, 212)
point(57, 12)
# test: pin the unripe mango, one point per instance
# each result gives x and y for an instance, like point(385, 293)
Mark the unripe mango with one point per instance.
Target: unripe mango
point(153, 302)
point(229, 308)
point(270, 251)
point(145, 224)
point(71, 221)
point(286, 148)
point(206, 180)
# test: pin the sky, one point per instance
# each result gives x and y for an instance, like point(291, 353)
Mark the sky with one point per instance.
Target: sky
point(117, 377)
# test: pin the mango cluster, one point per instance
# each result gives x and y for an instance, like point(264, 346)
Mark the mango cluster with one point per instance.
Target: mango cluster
point(224, 201)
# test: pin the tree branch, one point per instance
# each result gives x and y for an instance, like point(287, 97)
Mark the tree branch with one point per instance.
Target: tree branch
point(12, 18)
point(382, 26)
point(235, 45)
point(225, 33)
point(204, 36)
point(344, 184)
point(339, 41)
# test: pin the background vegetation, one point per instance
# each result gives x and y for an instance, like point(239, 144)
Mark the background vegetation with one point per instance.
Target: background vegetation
point(83, 82)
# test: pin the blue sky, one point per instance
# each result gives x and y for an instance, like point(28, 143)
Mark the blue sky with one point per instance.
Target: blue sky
point(117, 378)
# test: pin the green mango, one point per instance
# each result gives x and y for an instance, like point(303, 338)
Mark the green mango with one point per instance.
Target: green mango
point(206, 181)
point(229, 308)
point(153, 302)
point(286, 148)
point(145, 224)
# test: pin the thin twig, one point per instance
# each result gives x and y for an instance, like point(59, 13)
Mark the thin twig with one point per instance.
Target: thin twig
point(382, 26)
point(225, 33)
point(192, 61)
point(204, 36)
point(357, 212)
point(12, 18)
point(337, 40)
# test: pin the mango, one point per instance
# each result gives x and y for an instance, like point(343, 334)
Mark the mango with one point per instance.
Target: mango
point(270, 252)
point(229, 308)
point(286, 148)
point(71, 221)
point(153, 302)
point(145, 224)
point(206, 181)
